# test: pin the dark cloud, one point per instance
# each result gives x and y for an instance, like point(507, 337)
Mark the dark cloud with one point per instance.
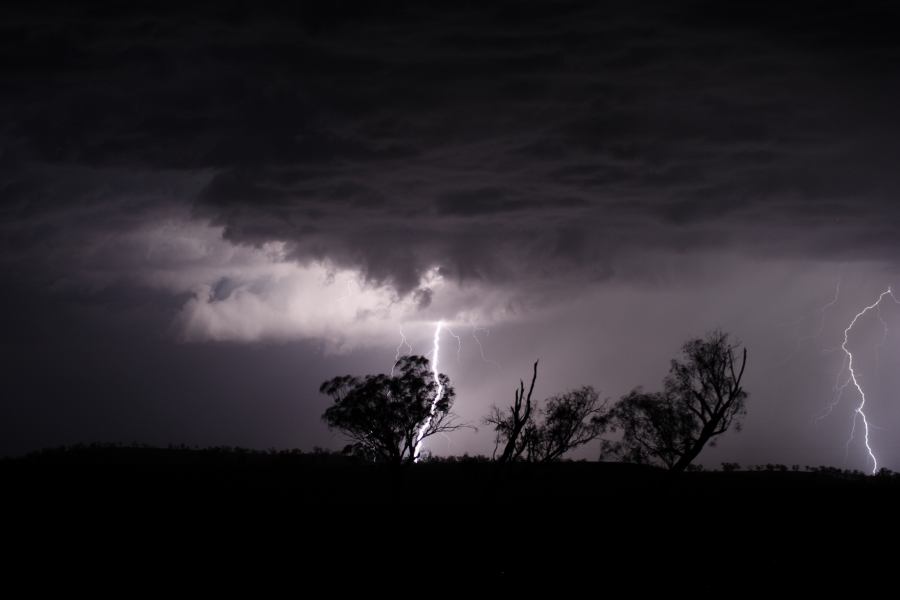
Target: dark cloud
point(547, 117)
point(342, 130)
point(491, 201)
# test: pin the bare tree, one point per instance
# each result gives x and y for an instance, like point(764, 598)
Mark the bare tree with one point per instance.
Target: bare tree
point(509, 427)
point(387, 416)
point(527, 432)
point(702, 398)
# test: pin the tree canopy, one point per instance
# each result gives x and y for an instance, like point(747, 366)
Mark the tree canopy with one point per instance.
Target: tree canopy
point(386, 417)
point(566, 422)
point(702, 398)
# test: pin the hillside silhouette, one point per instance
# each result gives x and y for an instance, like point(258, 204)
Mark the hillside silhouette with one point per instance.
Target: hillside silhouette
point(324, 514)
point(336, 478)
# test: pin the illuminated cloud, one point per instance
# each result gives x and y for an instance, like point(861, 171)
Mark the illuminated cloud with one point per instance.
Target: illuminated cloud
point(244, 293)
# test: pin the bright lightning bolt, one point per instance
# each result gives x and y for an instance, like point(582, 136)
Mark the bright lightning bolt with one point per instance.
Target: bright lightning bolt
point(859, 412)
point(435, 354)
point(440, 327)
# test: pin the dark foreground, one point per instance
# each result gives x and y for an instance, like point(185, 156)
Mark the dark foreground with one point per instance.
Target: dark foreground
point(215, 519)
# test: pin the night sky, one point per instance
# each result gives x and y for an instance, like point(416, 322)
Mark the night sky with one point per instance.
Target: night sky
point(207, 211)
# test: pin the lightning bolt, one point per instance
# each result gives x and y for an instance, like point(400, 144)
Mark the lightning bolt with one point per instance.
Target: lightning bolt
point(854, 378)
point(435, 356)
point(838, 391)
point(458, 343)
point(481, 348)
point(824, 309)
point(403, 342)
point(440, 327)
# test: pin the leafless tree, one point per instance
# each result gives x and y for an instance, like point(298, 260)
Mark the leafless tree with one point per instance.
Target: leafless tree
point(509, 427)
point(527, 432)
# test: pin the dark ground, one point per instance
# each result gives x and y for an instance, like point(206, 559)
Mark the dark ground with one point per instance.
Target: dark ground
point(228, 518)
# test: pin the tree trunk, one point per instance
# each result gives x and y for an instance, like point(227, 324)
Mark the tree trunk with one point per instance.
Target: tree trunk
point(519, 418)
point(688, 457)
point(695, 450)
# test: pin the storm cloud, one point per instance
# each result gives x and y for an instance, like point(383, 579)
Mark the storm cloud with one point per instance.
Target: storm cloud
point(493, 144)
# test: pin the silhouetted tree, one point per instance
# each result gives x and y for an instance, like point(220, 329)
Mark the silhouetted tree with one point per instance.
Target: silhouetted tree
point(386, 416)
point(568, 421)
point(702, 397)
point(543, 435)
point(509, 427)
